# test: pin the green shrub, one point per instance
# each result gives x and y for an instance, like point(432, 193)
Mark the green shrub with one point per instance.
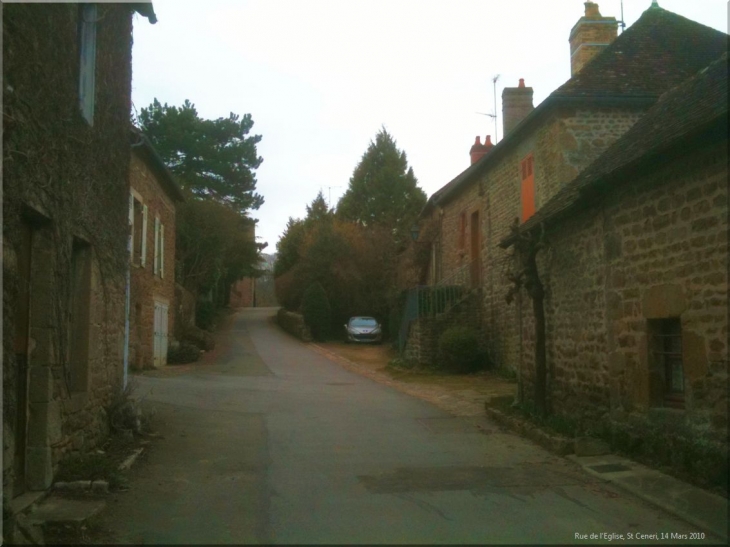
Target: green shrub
point(185, 352)
point(459, 350)
point(316, 311)
point(205, 314)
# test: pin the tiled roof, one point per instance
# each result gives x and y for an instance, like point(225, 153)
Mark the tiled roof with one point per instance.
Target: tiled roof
point(693, 105)
point(658, 52)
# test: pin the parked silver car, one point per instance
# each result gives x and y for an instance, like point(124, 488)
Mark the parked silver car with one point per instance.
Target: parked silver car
point(363, 329)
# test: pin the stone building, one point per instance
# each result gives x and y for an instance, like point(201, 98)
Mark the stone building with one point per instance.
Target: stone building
point(597, 334)
point(154, 194)
point(635, 270)
point(67, 71)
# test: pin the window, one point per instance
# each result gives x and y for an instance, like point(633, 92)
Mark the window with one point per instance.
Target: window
point(139, 232)
point(87, 60)
point(159, 263)
point(665, 338)
point(462, 231)
point(527, 177)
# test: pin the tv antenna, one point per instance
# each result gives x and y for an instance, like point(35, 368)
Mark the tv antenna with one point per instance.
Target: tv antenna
point(621, 23)
point(493, 116)
point(329, 194)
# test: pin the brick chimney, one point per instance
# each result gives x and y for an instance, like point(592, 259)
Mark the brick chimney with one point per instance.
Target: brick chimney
point(478, 150)
point(589, 36)
point(516, 104)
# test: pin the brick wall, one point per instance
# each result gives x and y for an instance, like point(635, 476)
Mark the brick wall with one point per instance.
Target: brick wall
point(146, 286)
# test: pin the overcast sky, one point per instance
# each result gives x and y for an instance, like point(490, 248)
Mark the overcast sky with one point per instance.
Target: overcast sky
point(321, 77)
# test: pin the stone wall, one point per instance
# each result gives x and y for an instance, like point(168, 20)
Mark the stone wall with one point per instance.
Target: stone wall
point(654, 248)
point(65, 206)
point(562, 146)
point(146, 285)
point(422, 345)
point(293, 323)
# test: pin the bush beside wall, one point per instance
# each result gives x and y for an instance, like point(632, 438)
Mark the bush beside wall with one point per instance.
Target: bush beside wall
point(293, 323)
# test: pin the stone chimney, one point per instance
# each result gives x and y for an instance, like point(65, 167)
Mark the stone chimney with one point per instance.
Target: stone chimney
point(589, 36)
point(516, 104)
point(478, 150)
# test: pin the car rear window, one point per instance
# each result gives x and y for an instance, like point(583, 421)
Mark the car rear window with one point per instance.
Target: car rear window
point(363, 322)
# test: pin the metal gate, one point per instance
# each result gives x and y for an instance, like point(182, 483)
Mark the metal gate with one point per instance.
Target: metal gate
point(160, 336)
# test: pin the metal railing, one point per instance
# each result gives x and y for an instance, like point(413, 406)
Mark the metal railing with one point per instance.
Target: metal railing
point(430, 300)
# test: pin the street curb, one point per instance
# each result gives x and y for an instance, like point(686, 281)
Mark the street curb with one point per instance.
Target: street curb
point(126, 464)
point(660, 501)
point(562, 446)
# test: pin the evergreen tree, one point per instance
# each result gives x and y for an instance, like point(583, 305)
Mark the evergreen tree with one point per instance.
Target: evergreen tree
point(212, 159)
point(383, 189)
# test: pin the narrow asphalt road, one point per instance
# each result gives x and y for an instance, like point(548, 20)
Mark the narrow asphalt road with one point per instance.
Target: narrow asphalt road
point(274, 443)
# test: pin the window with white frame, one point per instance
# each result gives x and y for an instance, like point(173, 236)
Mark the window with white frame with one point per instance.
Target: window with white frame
point(87, 60)
point(159, 262)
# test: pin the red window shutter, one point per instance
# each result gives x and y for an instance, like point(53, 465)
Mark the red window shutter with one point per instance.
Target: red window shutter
point(528, 188)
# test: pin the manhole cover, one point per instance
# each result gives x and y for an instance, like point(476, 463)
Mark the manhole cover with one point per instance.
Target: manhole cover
point(609, 468)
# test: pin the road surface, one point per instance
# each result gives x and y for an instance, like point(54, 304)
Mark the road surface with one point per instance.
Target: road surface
point(274, 443)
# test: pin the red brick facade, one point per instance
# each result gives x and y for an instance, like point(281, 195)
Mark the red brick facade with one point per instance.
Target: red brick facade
point(150, 282)
point(242, 293)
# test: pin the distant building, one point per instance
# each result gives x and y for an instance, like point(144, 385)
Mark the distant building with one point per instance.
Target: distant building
point(154, 194)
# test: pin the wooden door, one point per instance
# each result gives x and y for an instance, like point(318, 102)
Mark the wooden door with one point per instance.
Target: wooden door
point(160, 335)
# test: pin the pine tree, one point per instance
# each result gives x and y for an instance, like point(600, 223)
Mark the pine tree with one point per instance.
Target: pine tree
point(383, 189)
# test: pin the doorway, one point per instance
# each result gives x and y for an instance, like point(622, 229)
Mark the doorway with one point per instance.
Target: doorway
point(22, 332)
point(160, 334)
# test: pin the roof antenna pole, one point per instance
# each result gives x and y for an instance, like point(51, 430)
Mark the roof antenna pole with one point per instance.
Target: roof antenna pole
point(494, 82)
point(621, 22)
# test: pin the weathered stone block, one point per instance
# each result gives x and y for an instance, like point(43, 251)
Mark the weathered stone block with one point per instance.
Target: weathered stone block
point(694, 355)
point(39, 469)
point(44, 423)
point(40, 384)
point(666, 300)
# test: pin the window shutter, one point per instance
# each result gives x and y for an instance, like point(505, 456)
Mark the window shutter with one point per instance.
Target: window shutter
point(527, 188)
point(143, 257)
point(162, 250)
point(87, 62)
point(157, 245)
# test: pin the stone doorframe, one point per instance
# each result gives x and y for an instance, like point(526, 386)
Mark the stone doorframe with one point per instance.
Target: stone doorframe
point(43, 412)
